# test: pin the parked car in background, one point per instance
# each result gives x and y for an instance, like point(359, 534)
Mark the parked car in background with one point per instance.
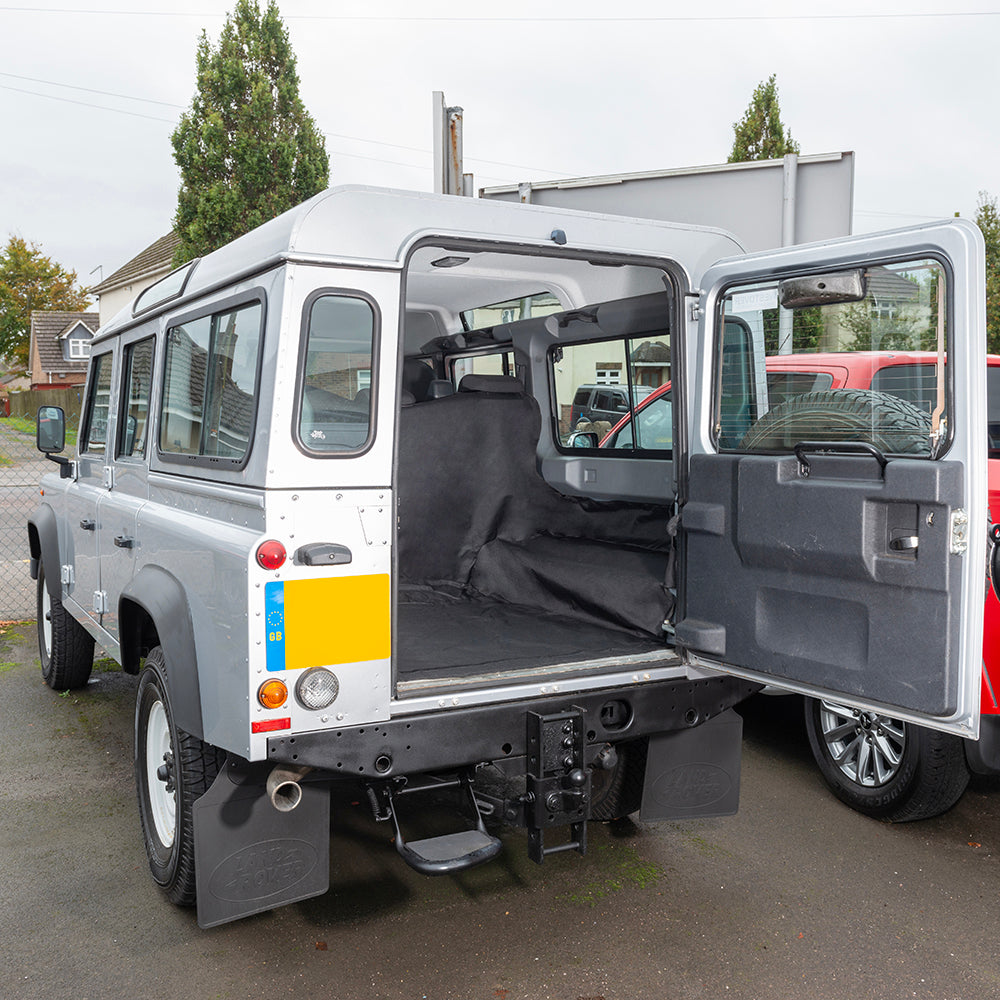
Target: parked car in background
point(877, 764)
point(594, 403)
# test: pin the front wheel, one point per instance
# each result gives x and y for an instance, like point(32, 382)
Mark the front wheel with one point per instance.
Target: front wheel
point(883, 767)
point(65, 647)
point(172, 770)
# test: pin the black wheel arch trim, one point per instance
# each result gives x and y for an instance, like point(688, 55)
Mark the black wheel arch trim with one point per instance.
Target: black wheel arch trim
point(43, 544)
point(162, 597)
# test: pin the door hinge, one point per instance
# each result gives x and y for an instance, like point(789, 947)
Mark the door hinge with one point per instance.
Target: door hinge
point(66, 575)
point(100, 602)
point(109, 477)
point(694, 307)
point(959, 532)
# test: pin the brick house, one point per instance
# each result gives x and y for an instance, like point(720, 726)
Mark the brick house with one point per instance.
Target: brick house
point(60, 348)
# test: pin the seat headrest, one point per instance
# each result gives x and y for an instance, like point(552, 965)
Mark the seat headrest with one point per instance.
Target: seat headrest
point(506, 384)
point(439, 388)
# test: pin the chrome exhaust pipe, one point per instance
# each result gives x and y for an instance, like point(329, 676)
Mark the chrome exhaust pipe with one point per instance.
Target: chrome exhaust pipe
point(283, 788)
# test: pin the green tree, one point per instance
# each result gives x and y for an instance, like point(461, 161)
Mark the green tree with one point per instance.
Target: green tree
point(760, 134)
point(988, 220)
point(247, 149)
point(29, 280)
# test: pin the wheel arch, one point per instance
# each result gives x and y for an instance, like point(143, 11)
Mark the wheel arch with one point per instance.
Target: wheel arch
point(43, 545)
point(153, 610)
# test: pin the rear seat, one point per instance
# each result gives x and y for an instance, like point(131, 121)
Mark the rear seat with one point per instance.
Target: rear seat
point(474, 514)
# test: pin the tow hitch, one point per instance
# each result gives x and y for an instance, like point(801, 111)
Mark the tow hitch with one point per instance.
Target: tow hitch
point(558, 789)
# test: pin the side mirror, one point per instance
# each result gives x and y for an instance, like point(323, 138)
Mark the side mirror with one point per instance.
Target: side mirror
point(50, 432)
point(583, 439)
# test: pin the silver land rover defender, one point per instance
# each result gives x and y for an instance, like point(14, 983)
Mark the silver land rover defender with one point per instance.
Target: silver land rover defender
point(327, 503)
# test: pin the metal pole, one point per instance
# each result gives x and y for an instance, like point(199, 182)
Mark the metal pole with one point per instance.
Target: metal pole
point(789, 178)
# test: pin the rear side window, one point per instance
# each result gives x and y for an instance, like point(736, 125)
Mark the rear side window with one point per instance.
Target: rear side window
point(335, 393)
point(210, 384)
point(98, 406)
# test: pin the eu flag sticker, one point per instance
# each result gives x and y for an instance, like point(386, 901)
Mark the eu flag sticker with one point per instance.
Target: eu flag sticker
point(274, 623)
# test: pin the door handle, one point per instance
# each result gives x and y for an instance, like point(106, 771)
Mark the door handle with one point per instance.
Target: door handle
point(905, 543)
point(124, 541)
point(323, 554)
point(88, 524)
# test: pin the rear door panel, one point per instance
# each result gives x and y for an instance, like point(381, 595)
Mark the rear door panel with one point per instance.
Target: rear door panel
point(827, 573)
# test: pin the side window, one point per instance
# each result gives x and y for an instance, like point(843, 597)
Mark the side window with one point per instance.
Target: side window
point(210, 384)
point(615, 411)
point(98, 406)
point(137, 384)
point(855, 323)
point(335, 404)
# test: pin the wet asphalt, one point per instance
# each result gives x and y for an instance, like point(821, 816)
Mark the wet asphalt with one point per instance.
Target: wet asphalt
point(796, 896)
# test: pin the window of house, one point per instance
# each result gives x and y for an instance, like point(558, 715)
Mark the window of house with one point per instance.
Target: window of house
point(79, 349)
point(335, 407)
point(210, 384)
point(607, 376)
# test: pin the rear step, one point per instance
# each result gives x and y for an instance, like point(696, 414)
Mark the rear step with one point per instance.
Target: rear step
point(448, 853)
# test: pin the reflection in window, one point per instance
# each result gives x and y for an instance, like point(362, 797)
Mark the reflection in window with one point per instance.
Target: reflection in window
point(335, 406)
point(138, 384)
point(99, 405)
point(210, 384)
point(874, 359)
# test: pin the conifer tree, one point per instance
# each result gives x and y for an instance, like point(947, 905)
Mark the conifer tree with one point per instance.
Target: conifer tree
point(760, 134)
point(247, 149)
point(988, 220)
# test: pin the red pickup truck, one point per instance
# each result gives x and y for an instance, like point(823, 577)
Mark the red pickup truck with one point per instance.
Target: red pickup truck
point(878, 765)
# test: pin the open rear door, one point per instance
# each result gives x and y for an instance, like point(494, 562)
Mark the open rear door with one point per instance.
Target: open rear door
point(833, 519)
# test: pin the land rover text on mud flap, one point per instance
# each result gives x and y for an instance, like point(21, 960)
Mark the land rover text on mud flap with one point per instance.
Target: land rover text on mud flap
point(325, 503)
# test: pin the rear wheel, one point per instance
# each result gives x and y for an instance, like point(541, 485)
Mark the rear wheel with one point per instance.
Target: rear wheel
point(65, 647)
point(617, 791)
point(172, 770)
point(885, 768)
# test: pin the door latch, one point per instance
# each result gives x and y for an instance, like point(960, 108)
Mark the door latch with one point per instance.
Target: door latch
point(959, 532)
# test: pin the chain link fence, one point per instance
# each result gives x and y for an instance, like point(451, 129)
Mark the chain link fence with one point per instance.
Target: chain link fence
point(21, 470)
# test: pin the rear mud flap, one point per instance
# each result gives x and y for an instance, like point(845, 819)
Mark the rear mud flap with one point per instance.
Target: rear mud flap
point(694, 773)
point(248, 856)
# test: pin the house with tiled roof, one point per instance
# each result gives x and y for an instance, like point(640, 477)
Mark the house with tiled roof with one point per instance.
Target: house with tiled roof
point(116, 291)
point(60, 348)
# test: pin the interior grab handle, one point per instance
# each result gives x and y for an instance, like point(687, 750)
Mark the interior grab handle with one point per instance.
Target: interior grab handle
point(838, 448)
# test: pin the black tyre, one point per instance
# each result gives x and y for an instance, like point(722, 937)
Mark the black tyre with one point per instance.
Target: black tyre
point(618, 792)
point(885, 768)
point(172, 770)
point(889, 423)
point(65, 647)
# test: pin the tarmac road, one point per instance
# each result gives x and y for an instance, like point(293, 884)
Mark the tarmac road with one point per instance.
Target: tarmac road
point(796, 896)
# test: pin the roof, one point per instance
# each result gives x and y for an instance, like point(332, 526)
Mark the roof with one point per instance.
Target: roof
point(377, 227)
point(157, 258)
point(47, 328)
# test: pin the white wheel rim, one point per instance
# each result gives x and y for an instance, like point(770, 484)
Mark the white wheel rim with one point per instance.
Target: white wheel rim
point(162, 804)
point(46, 622)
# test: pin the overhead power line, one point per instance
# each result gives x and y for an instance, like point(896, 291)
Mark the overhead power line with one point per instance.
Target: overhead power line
point(541, 19)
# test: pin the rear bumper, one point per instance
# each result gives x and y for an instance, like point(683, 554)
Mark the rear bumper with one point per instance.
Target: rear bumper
point(461, 737)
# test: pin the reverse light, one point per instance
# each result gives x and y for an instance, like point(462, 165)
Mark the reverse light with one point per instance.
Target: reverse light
point(272, 694)
point(271, 554)
point(317, 688)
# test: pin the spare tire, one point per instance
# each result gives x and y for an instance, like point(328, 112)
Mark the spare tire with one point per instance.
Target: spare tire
point(889, 423)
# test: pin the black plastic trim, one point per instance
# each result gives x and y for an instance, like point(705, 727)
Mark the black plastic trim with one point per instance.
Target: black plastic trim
point(43, 544)
point(460, 737)
point(161, 595)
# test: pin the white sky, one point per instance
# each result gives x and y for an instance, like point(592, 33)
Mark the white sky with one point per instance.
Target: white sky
point(585, 88)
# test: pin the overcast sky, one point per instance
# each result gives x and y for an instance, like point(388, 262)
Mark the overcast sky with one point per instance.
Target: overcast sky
point(90, 91)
